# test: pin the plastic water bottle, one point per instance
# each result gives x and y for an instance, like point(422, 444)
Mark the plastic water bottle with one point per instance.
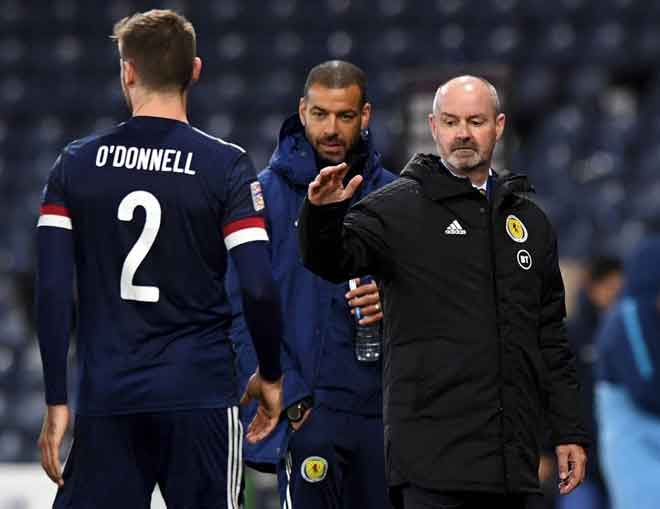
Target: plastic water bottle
point(367, 337)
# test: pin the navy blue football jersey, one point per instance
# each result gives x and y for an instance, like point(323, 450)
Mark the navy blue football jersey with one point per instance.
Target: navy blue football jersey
point(154, 205)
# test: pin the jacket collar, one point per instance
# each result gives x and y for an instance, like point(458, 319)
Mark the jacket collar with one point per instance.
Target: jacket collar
point(294, 157)
point(439, 184)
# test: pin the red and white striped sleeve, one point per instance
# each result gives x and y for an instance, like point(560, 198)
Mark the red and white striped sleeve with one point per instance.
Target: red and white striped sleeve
point(248, 229)
point(54, 211)
point(55, 215)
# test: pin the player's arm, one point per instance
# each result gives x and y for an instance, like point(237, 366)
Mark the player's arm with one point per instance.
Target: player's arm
point(294, 388)
point(54, 306)
point(246, 240)
point(263, 319)
point(54, 299)
point(260, 305)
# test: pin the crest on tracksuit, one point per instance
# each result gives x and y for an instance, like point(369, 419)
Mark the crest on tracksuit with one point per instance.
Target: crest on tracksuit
point(314, 469)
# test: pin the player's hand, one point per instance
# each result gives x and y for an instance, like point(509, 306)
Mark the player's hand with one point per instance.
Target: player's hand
point(269, 410)
point(367, 298)
point(571, 463)
point(328, 185)
point(56, 422)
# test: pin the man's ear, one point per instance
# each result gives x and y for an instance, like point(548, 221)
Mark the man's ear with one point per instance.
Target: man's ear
point(128, 72)
point(301, 110)
point(365, 116)
point(500, 122)
point(196, 70)
point(432, 126)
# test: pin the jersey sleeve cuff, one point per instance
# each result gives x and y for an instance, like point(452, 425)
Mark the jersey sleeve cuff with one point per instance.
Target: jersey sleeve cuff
point(56, 216)
point(249, 229)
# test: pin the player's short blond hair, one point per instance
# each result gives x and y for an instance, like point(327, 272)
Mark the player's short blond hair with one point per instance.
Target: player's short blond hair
point(161, 44)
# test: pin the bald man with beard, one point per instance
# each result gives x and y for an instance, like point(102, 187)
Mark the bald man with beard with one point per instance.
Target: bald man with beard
point(475, 348)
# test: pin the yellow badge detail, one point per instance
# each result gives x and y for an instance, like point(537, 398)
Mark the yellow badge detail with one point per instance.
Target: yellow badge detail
point(314, 469)
point(516, 229)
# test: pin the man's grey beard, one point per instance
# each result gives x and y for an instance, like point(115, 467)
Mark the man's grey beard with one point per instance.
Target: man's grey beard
point(464, 169)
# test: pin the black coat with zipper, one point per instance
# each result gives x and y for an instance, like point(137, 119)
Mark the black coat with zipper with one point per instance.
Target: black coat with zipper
point(475, 350)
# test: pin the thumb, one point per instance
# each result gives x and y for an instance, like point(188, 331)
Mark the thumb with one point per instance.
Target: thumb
point(250, 391)
point(352, 186)
point(245, 398)
point(562, 463)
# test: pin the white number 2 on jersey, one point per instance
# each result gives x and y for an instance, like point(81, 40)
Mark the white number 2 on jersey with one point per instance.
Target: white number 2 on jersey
point(148, 201)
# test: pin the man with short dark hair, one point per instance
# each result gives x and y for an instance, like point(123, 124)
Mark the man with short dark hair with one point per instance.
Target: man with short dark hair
point(147, 212)
point(474, 346)
point(331, 455)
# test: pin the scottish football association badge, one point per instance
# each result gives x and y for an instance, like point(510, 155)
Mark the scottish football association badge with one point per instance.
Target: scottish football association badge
point(516, 229)
point(314, 469)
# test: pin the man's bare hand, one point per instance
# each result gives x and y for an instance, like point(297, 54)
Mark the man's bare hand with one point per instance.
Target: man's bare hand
point(56, 422)
point(328, 185)
point(571, 463)
point(269, 395)
point(367, 298)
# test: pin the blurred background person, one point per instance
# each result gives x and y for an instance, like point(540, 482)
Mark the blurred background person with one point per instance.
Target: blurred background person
point(600, 287)
point(628, 384)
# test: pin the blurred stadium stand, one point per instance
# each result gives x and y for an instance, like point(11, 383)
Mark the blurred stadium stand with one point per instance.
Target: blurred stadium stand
point(583, 107)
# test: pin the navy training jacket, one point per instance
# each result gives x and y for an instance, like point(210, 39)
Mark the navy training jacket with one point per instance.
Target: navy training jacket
point(313, 360)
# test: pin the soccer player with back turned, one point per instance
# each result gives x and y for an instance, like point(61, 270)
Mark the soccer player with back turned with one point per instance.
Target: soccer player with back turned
point(147, 213)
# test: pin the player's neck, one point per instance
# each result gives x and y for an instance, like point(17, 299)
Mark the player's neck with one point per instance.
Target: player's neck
point(163, 105)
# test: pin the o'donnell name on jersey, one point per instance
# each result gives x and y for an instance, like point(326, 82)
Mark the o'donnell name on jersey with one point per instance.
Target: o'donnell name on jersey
point(148, 159)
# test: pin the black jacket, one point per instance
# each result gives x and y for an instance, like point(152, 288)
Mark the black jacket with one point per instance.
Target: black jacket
point(475, 345)
point(582, 329)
